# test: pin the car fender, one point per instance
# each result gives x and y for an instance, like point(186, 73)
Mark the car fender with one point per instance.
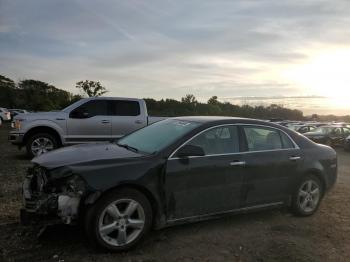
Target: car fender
point(45, 123)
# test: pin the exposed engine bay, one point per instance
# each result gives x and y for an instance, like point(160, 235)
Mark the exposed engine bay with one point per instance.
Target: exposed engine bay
point(53, 196)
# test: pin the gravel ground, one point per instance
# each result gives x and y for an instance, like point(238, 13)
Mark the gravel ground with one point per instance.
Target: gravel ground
point(265, 236)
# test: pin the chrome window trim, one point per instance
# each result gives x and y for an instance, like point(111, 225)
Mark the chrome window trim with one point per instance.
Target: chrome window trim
point(235, 153)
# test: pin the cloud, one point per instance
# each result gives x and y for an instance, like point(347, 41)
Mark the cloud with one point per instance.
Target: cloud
point(168, 48)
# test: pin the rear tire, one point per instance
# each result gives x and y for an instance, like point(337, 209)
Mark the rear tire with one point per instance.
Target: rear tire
point(119, 220)
point(307, 196)
point(41, 143)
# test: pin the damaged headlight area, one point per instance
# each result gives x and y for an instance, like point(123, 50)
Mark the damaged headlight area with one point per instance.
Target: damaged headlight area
point(52, 193)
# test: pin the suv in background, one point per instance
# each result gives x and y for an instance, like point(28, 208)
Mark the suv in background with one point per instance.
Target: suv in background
point(15, 112)
point(5, 115)
point(88, 120)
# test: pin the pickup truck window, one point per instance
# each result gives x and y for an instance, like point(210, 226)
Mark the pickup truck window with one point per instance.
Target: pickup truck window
point(90, 109)
point(125, 108)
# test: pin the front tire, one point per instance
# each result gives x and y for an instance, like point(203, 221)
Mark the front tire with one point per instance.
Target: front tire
point(119, 220)
point(41, 143)
point(307, 197)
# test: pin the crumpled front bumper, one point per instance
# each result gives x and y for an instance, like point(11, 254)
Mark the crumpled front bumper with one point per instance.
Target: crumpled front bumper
point(47, 208)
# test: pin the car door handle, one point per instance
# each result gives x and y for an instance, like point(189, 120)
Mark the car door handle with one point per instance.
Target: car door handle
point(237, 163)
point(105, 121)
point(138, 122)
point(294, 158)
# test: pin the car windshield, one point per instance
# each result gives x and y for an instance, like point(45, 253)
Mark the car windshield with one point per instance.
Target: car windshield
point(157, 136)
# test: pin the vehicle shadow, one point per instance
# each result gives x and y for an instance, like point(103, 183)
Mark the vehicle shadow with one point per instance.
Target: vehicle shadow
point(21, 156)
point(72, 238)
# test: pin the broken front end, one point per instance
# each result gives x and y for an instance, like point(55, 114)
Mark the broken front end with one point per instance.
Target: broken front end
point(51, 196)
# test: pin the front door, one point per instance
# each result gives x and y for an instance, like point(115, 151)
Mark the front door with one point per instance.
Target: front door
point(90, 121)
point(272, 162)
point(207, 184)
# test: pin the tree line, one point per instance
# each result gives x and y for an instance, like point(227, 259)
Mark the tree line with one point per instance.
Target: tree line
point(35, 95)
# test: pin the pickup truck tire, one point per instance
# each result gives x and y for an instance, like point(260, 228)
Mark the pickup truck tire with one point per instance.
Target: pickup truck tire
point(41, 143)
point(118, 220)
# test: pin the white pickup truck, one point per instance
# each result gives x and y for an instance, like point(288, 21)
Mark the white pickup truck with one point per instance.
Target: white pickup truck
point(87, 120)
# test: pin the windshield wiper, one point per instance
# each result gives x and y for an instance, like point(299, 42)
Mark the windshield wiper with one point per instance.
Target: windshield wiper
point(129, 147)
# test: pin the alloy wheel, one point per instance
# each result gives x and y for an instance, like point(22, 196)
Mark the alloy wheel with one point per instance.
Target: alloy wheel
point(41, 145)
point(309, 196)
point(121, 222)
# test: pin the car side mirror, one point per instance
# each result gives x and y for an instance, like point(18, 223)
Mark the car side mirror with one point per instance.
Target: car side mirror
point(190, 150)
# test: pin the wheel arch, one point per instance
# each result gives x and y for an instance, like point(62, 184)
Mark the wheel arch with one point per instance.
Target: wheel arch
point(155, 205)
point(317, 173)
point(42, 129)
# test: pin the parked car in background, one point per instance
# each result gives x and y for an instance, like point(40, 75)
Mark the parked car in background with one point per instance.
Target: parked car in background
point(329, 135)
point(175, 171)
point(15, 112)
point(4, 114)
point(88, 120)
point(304, 128)
point(347, 143)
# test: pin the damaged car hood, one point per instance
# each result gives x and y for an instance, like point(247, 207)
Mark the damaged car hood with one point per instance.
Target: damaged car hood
point(83, 153)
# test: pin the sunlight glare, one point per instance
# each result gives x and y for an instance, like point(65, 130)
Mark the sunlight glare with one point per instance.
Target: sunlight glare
point(325, 74)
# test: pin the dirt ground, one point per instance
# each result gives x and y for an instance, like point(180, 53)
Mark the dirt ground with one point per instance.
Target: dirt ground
point(266, 236)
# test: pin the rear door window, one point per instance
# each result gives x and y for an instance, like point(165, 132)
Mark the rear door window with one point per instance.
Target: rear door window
point(265, 138)
point(125, 108)
point(346, 131)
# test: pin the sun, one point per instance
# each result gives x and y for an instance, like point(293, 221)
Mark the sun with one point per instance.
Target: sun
point(326, 73)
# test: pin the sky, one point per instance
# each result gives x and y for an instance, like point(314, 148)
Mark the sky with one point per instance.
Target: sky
point(295, 53)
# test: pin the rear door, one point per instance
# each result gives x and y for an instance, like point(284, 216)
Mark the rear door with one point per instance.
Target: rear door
point(336, 135)
point(207, 184)
point(127, 117)
point(90, 121)
point(272, 162)
point(346, 133)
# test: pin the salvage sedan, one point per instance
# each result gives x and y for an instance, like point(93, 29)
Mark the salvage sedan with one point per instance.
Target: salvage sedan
point(176, 171)
point(329, 135)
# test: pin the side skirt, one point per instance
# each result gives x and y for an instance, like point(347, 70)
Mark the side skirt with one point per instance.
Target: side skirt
point(243, 210)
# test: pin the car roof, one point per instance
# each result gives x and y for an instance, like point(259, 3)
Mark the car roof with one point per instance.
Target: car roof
point(112, 98)
point(223, 120)
point(333, 126)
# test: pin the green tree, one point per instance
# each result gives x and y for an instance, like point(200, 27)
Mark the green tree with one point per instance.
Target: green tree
point(91, 88)
point(40, 96)
point(213, 100)
point(7, 92)
point(189, 99)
